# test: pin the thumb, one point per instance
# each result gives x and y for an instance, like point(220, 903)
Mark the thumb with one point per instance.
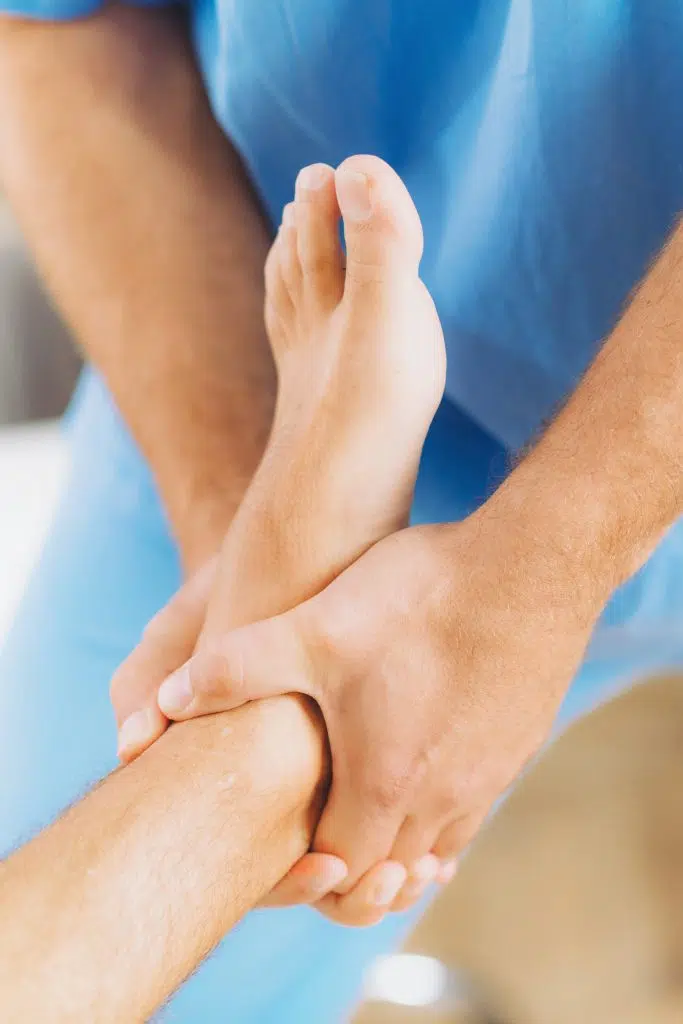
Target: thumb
point(262, 660)
point(167, 642)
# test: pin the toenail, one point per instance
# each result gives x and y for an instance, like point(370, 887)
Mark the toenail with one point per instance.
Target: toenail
point(311, 178)
point(353, 193)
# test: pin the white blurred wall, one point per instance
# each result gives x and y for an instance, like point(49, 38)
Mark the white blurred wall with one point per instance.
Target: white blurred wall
point(32, 468)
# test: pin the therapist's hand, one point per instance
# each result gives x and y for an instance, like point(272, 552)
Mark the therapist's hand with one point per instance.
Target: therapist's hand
point(438, 659)
point(169, 640)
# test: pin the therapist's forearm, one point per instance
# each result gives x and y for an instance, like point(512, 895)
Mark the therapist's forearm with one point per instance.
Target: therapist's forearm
point(151, 240)
point(108, 911)
point(605, 482)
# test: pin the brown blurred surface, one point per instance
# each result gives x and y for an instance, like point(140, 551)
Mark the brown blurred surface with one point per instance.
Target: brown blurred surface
point(569, 910)
point(38, 364)
point(402, 1015)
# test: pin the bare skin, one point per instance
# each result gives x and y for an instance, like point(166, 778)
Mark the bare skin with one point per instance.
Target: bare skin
point(152, 243)
point(122, 871)
point(440, 658)
point(327, 488)
point(106, 912)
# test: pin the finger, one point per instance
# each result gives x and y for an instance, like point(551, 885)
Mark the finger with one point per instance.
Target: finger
point(415, 838)
point(359, 824)
point(278, 297)
point(166, 643)
point(369, 900)
point(311, 878)
point(140, 730)
point(447, 872)
point(263, 660)
point(457, 836)
point(421, 875)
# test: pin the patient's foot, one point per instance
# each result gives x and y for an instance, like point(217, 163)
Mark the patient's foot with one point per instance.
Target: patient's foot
point(361, 365)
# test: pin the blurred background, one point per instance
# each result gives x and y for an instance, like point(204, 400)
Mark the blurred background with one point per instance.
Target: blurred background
point(569, 908)
point(38, 368)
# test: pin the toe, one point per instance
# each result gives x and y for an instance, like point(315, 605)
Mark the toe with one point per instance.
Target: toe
point(289, 256)
point(382, 228)
point(317, 221)
point(278, 301)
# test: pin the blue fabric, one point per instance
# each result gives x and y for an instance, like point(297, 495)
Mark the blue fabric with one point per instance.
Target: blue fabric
point(542, 141)
point(62, 10)
point(107, 567)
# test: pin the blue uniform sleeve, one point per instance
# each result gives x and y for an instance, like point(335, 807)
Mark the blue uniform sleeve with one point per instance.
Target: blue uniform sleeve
point(62, 10)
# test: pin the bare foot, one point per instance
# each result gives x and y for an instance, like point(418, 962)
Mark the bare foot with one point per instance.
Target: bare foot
point(361, 366)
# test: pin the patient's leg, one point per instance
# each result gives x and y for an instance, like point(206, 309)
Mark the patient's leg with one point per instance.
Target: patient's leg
point(109, 910)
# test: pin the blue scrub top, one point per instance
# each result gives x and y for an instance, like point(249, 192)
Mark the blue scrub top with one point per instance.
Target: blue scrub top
point(542, 141)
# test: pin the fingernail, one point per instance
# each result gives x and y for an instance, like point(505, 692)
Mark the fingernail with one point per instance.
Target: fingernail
point(424, 870)
point(353, 193)
point(136, 732)
point(390, 884)
point(327, 880)
point(311, 178)
point(288, 218)
point(175, 693)
point(447, 871)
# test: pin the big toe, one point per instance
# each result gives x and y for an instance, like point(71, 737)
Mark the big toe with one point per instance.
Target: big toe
point(382, 228)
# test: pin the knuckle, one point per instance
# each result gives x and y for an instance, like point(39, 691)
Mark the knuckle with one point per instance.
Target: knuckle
point(387, 791)
point(329, 631)
point(316, 262)
point(444, 806)
point(334, 628)
point(209, 674)
point(368, 273)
